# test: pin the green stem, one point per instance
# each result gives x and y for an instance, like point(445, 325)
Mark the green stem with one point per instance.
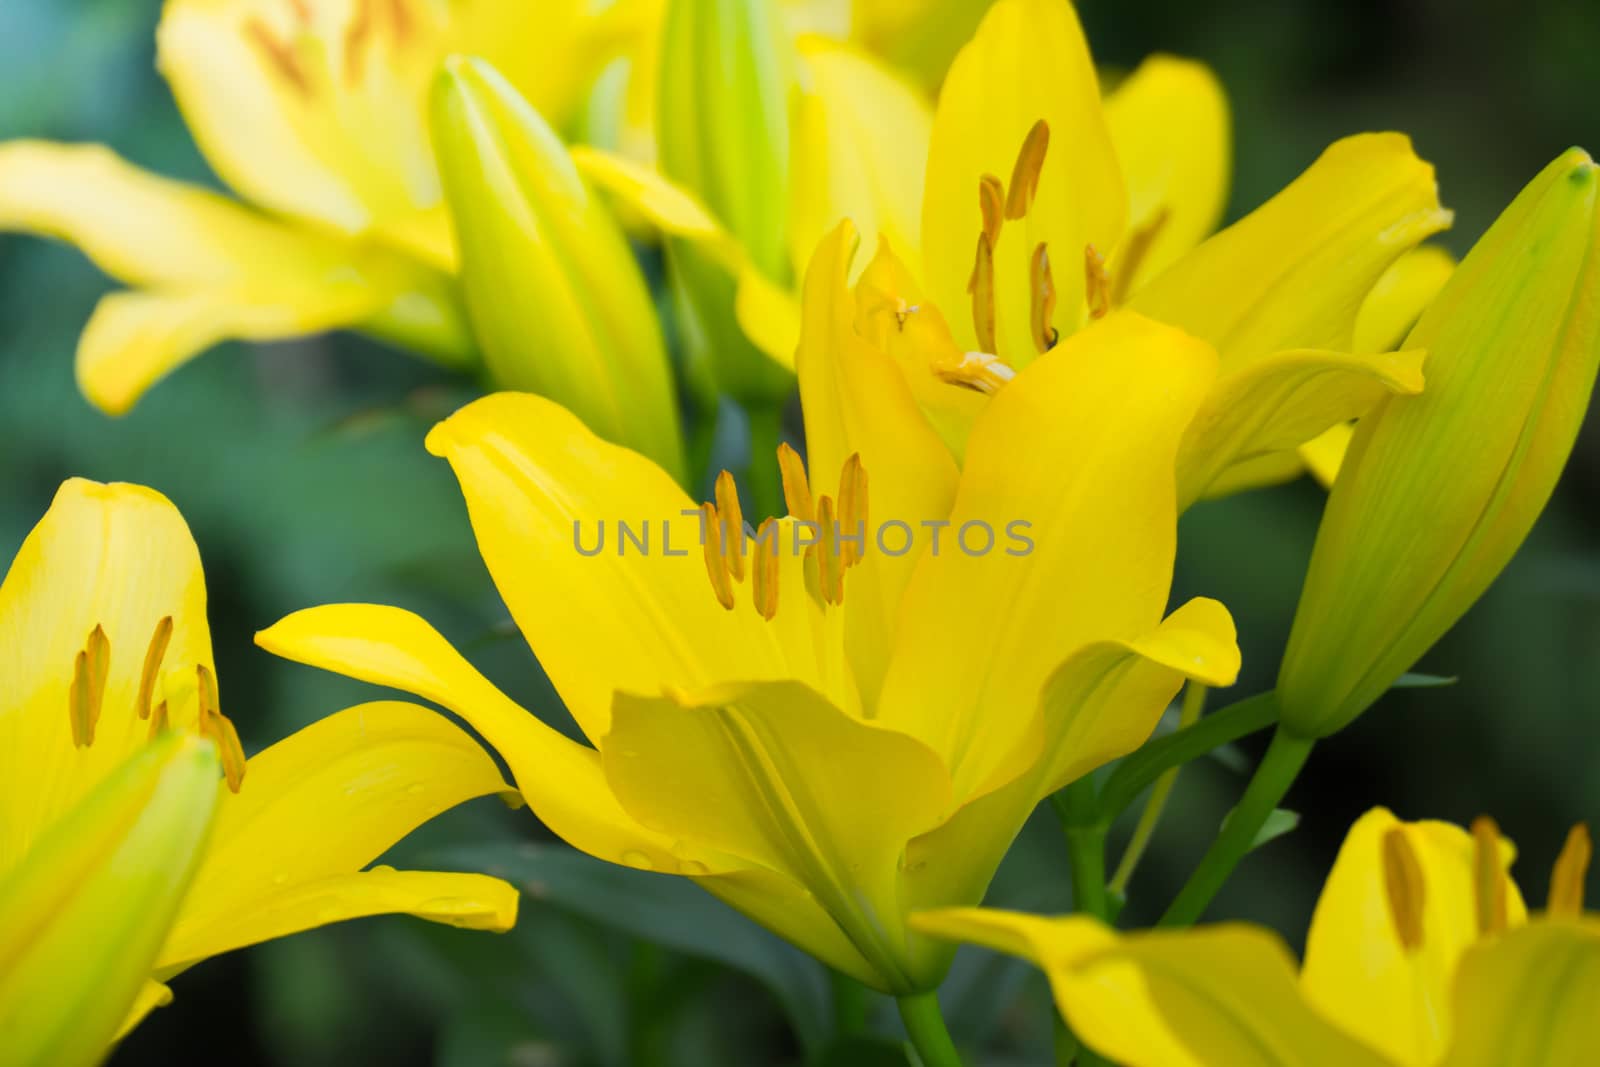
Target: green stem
point(1194, 702)
point(1272, 779)
point(1086, 840)
point(925, 1026)
point(1149, 763)
point(762, 475)
point(849, 1005)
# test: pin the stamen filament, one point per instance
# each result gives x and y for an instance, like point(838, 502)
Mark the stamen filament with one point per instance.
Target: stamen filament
point(1025, 173)
point(1488, 876)
point(1568, 876)
point(1406, 890)
point(1042, 287)
point(981, 286)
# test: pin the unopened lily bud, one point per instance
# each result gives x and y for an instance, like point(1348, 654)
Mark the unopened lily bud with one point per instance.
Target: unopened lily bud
point(84, 915)
point(722, 131)
point(1438, 490)
point(555, 296)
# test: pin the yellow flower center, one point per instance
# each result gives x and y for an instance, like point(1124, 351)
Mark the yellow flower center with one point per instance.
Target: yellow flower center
point(86, 695)
point(299, 52)
point(838, 527)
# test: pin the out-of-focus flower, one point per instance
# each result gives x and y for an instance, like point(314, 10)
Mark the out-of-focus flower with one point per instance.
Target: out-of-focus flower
point(103, 632)
point(1421, 954)
point(556, 298)
point(314, 112)
point(1438, 491)
point(829, 735)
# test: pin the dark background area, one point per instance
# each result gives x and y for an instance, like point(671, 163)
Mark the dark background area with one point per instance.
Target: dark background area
point(301, 471)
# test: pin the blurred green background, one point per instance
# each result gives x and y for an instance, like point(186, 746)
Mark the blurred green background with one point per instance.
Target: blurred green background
point(300, 469)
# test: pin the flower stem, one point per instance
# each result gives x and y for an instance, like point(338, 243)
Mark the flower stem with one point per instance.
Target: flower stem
point(925, 1026)
point(1272, 779)
point(1194, 702)
point(1086, 840)
point(849, 1005)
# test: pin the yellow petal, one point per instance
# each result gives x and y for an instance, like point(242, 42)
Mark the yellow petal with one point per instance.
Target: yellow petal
point(114, 556)
point(775, 774)
point(1357, 971)
point(1028, 62)
point(1323, 455)
point(668, 206)
point(1070, 467)
point(152, 995)
point(1400, 297)
point(1169, 123)
point(768, 315)
point(1531, 996)
point(860, 148)
point(1279, 403)
point(83, 916)
point(1218, 996)
point(367, 775)
point(857, 402)
point(789, 910)
point(1294, 272)
point(470, 901)
point(313, 110)
point(560, 779)
point(538, 483)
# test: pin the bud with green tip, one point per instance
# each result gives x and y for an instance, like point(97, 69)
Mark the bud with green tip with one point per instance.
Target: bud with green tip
point(555, 295)
point(89, 907)
point(722, 129)
point(1439, 490)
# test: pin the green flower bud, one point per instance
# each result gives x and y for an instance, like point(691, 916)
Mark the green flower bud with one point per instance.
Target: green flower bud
point(553, 290)
point(83, 917)
point(722, 130)
point(1438, 490)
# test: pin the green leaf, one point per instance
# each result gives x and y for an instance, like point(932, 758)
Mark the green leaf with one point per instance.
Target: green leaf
point(1280, 822)
point(861, 1052)
point(663, 909)
point(1412, 680)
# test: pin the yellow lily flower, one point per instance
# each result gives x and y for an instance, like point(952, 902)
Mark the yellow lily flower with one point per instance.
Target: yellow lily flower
point(1421, 954)
point(315, 113)
point(828, 737)
point(103, 626)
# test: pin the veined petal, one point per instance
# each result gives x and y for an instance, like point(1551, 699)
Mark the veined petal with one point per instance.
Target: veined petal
point(1218, 996)
point(857, 402)
point(893, 313)
point(540, 488)
point(367, 775)
point(1360, 974)
point(860, 148)
point(314, 110)
point(1028, 62)
point(1282, 401)
point(1070, 468)
point(470, 901)
point(82, 918)
point(1169, 123)
point(1400, 297)
point(789, 910)
point(119, 557)
point(774, 773)
point(1531, 996)
point(561, 780)
point(1294, 272)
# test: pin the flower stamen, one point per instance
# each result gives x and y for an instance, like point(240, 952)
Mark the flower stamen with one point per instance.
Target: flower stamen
point(1568, 875)
point(981, 287)
point(280, 56)
point(158, 720)
point(796, 489)
point(764, 570)
point(1133, 255)
point(152, 664)
point(1488, 878)
point(1097, 283)
point(1405, 887)
point(992, 206)
point(978, 371)
point(732, 523)
point(89, 671)
point(219, 728)
point(1025, 172)
point(716, 558)
point(853, 509)
point(1042, 288)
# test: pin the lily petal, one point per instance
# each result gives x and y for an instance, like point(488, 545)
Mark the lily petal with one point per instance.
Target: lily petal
point(119, 557)
point(860, 147)
point(1028, 62)
point(470, 901)
point(1219, 996)
point(1294, 272)
point(82, 918)
point(1079, 449)
point(1357, 971)
point(857, 402)
point(152, 995)
point(789, 910)
point(774, 773)
point(560, 779)
point(668, 206)
point(1279, 403)
point(1531, 996)
point(367, 775)
point(534, 477)
point(1169, 123)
